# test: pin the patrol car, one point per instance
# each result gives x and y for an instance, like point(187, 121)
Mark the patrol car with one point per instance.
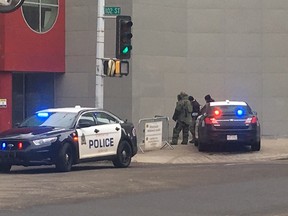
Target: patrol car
point(67, 136)
point(227, 122)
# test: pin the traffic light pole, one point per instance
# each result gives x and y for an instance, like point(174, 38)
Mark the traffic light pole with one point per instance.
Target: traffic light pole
point(99, 88)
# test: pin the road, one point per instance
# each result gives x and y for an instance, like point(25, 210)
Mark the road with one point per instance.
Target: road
point(248, 188)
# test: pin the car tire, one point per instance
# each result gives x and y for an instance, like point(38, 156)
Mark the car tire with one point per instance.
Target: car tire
point(256, 146)
point(201, 146)
point(124, 155)
point(5, 168)
point(65, 158)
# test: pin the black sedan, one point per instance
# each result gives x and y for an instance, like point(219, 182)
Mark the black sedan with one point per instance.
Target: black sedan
point(227, 122)
point(67, 136)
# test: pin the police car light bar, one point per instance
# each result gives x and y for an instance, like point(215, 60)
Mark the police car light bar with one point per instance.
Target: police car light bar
point(43, 114)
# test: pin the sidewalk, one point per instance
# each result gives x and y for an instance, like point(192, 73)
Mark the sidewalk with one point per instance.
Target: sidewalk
point(271, 149)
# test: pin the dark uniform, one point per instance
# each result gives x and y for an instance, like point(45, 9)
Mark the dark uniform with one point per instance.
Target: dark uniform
point(208, 99)
point(195, 114)
point(183, 119)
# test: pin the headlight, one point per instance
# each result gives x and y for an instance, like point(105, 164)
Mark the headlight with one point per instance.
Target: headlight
point(46, 141)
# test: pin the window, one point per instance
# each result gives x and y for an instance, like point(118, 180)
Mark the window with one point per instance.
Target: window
point(86, 120)
point(40, 15)
point(49, 119)
point(104, 118)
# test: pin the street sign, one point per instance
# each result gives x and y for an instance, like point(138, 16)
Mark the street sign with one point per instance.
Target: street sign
point(112, 11)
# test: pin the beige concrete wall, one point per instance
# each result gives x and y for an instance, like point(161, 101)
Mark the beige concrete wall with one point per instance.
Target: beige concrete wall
point(77, 86)
point(232, 49)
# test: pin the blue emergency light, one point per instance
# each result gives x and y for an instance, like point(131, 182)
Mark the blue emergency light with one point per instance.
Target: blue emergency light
point(43, 114)
point(3, 146)
point(239, 112)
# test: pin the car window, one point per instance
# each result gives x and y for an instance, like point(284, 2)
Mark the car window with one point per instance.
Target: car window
point(104, 118)
point(86, 120)
point(50, 119)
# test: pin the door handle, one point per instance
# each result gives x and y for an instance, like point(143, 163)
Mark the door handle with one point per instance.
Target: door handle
point(117, 128)
point(96, 130)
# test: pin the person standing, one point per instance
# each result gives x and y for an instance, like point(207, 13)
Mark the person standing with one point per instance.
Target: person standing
point(196, 111)
point(208, 99)
point(184, 119)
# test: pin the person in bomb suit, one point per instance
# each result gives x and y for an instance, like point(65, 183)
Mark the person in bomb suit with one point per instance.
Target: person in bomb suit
point(183, 118)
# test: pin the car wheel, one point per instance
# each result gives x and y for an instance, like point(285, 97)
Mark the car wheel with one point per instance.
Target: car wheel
point(65, 158)
point(201, 146)
point(5, 168)
point(256, 146)
point(124, 155)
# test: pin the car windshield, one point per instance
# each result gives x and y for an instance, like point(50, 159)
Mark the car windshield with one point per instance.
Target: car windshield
point(50, 119)
point(230, 110)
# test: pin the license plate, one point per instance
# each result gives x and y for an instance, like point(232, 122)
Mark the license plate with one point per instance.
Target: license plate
point(232, 137)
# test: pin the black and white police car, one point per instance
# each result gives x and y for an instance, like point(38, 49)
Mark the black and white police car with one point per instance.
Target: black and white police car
point(67, 136)
point(227, 122)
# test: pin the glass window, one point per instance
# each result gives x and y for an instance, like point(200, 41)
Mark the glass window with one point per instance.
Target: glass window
point(57, 119)
point(86, 120)
point(40, 15)
point(230, 110)
point(104, 118)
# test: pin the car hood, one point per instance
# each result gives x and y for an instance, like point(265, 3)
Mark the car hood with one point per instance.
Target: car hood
point(30, 132)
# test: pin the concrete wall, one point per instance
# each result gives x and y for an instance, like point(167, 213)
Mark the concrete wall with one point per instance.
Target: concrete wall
point(231, 49)
point(77, 86)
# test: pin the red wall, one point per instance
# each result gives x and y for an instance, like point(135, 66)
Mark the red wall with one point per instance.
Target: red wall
point(25, 50)
point(6, 93)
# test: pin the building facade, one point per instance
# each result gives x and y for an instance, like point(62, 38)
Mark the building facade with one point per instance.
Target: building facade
point(231, 49)
point(32, 52)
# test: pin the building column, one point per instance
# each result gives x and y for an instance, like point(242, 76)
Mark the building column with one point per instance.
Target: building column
point(5, 101)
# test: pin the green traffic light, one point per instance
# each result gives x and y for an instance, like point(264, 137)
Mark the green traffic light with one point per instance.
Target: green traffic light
point(125, 50)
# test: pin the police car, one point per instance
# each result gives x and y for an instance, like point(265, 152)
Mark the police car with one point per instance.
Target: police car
point(227, 122)
point(67, 136)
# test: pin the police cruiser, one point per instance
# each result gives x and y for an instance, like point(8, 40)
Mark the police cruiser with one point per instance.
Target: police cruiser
point(227, 122)
point(67, 136)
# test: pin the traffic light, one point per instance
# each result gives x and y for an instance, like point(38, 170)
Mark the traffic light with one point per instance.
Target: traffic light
point(123, 37)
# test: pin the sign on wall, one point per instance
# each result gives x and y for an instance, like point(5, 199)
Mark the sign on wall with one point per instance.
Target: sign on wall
point(3, 103)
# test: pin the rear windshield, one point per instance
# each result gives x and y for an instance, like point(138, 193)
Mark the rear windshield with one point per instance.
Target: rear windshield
point(230, 110)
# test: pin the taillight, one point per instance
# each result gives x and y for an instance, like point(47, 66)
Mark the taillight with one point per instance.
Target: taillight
point(20, 145)
point(217, 112)
point(251, 120)
point(210, 121)
point(254, 120)
point(134, 131)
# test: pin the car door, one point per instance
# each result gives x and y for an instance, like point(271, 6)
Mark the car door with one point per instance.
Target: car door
point(98, 139)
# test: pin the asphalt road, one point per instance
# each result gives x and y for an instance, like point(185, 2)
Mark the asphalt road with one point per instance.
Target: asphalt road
point(255, 188)
point(231, 181)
